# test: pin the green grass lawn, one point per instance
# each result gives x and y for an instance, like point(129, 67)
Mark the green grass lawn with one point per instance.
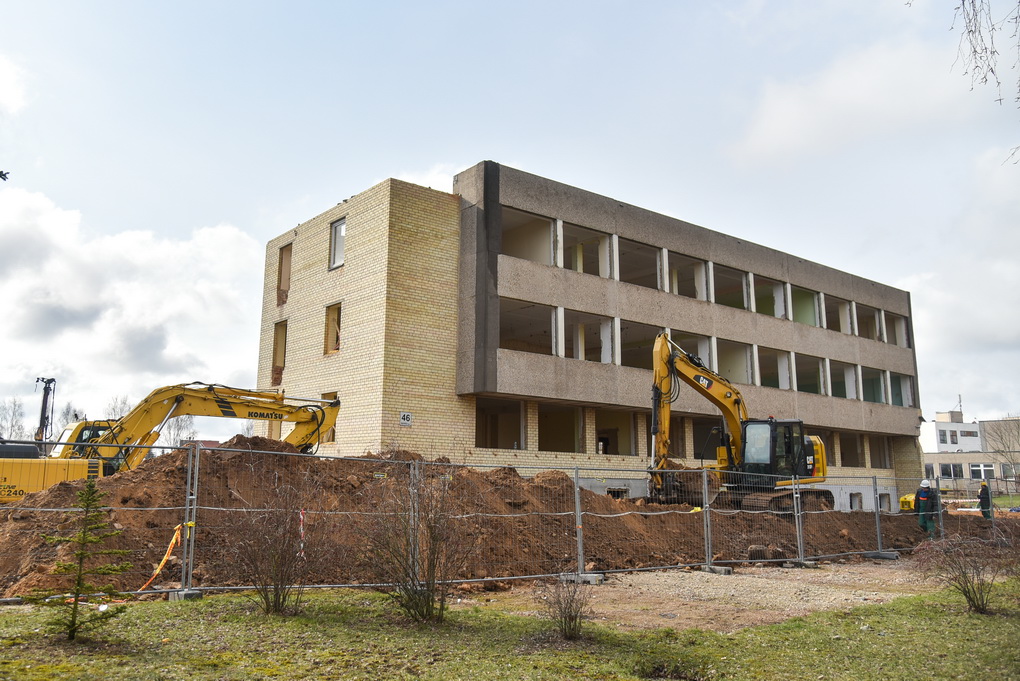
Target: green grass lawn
point(349, 634)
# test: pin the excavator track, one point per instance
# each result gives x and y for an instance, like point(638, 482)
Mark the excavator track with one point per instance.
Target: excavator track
point(782, 501)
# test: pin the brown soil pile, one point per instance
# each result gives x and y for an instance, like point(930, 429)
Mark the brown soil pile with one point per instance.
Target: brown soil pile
point(515, 526)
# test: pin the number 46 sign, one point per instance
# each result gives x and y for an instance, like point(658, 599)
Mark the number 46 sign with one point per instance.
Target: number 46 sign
point(406, 418)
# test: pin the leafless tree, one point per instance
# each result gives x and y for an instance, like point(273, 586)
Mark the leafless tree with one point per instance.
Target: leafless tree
point(418, 543)
point(969, 566)
point(12, 419)
point(178, 429)
point(1003, 438)
point(118, 407)
point(69, 414)
point(979, 23)
point(567, 602)
point(279, 537)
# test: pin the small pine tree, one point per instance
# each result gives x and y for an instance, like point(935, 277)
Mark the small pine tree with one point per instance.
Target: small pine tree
point(89, 534)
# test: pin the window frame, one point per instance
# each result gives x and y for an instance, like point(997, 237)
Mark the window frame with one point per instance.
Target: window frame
point(336, 259)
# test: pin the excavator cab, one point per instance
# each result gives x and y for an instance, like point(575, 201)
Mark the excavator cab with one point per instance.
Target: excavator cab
point(773, 448)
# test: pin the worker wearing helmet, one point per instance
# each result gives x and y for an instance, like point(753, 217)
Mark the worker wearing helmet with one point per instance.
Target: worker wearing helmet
point(924, 503)
point(985, 500)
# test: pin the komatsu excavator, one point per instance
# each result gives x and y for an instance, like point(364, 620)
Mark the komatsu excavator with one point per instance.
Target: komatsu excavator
point(92, 449)
point(757, 460)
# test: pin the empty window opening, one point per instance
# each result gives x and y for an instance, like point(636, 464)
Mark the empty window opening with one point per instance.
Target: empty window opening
point(526, 327)
point(730, 287)
point(902, 389)
point(867, 322)
point(837, 315)
point(582, 248)
point(843, 380)
point(639, 263)
point(677, 441)
point(329, 435)
point(706, 437)
point(884, 502)
point(274, 430)
point(636, 341)
point(279, 352)
point(881, 456)
point(337, 235)
point(734, 361)
point(769, 297)
point(896, 330)
point(872, 385)
point(951, 470)
point(810, 374)
point(851, 454)
point(585, 335)
point(283, 274)
point(856, 501)
point(560, 428)
point(498, 424)
point(774, 368)
point(332, 343)
point(527, 236)
point(805, 306)
point(614, 432)
point(692, 343)
point(686, 276)
point(618, 492)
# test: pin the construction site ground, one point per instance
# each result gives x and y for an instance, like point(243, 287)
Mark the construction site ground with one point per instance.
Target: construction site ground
point(526, 527)
point(750, 596)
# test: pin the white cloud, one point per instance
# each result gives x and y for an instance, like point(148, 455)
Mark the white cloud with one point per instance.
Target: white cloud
point(882, 90)
point(966, 297)
point(13, 94)
point(125, 313)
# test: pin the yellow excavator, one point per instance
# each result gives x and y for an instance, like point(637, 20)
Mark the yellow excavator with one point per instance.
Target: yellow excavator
point(757, 460)
point(93, 449)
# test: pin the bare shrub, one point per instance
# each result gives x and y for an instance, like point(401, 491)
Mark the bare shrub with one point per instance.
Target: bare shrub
point(278, 539)
point(969, 566)
point(417, 542)
point(566, 601)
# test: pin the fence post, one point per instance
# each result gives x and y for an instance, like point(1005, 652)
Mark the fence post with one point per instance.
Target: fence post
point(706, 516)
point(878, 510)
point(798, 515)
point(938, 499)
point(190, 516)
point(414, 517)
point(578, 524)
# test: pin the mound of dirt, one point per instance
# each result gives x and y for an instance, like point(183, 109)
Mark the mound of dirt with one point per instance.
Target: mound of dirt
point(518, 526)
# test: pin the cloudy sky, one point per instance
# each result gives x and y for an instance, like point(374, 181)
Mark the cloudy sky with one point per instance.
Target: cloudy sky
point(153, 149)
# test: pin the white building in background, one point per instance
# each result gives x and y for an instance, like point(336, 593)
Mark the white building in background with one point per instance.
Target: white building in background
point(949, 433)
point(963, 454)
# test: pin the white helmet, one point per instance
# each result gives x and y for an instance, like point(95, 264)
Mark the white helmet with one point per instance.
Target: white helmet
point(925, 483)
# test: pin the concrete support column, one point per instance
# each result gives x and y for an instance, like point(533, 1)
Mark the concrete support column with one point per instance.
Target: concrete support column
point(752, 303)
point(641, 447)
point(822, 321)
point(557, 244)
point(710, 281)
point(530, 426)
point(590, 439)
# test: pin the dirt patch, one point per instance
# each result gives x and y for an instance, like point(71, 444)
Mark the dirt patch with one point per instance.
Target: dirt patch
point(752, 596)
point(520, 526)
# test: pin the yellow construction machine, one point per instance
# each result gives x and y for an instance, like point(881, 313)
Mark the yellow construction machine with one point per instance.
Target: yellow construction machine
point(757, 460)
point(92, 449)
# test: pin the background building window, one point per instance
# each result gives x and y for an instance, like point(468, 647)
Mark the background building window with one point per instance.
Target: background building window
point(953, 440)
point(338, 230)
point(982, 471)
point(942, 437)
point(951, 470)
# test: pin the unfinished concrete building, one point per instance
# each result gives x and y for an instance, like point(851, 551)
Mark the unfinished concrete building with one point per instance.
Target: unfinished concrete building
point(511, 322)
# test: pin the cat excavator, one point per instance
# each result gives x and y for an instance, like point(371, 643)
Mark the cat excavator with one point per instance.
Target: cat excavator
point(757, 460)
point(93, 449)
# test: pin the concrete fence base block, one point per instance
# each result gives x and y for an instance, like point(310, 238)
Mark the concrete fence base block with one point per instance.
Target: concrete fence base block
point(884, 555)
point(595, 578)
point(184, 595)
point(717, 569)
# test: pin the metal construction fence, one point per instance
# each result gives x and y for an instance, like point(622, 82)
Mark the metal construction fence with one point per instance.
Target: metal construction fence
point(205, 518)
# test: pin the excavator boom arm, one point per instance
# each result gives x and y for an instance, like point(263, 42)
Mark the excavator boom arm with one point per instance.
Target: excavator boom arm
point(671, 362)
point(141, 425)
